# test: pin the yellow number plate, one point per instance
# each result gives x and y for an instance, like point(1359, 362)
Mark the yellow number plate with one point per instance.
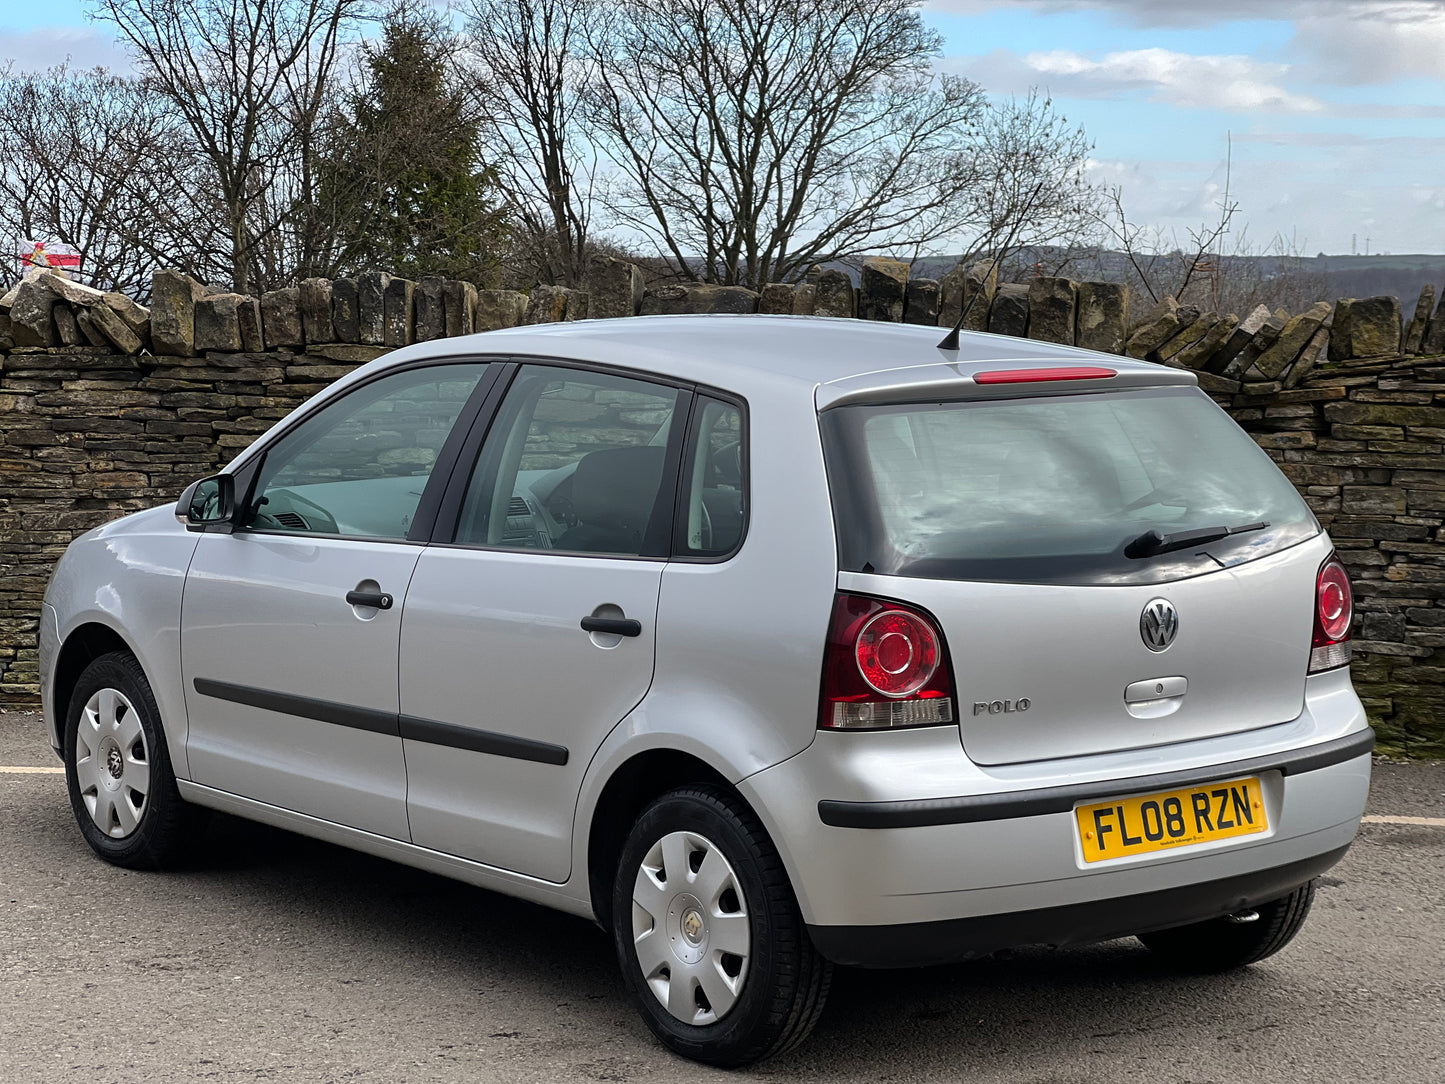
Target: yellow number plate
point(1176, 818)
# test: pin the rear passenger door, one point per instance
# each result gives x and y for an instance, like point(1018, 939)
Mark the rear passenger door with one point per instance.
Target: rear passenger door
point(529, 625)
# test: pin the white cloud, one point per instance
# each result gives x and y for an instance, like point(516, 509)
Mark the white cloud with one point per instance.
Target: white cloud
point(82, 46)
point(1374, 42)
point(1235, 83)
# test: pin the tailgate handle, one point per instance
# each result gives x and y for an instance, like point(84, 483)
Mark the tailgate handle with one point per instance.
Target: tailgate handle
point(620, 626)
point(1156, 689)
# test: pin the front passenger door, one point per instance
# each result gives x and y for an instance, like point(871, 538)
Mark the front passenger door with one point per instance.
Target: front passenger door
point(530, 635)
point(290, 625)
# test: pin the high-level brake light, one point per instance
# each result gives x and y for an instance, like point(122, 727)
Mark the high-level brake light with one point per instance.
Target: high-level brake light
point(1035, 376)
point(884, 666)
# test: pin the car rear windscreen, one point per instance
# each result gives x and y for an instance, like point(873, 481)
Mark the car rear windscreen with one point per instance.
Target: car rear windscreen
point(1055, 489)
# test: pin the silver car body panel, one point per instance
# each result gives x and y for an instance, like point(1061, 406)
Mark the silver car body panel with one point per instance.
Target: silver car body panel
point(736, 652)
point(492, 642)
point(127, 576)
point(267, 614)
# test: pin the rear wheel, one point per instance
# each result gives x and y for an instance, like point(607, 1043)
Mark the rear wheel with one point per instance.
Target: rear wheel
point(712, 946)
point(1222, 944)
point(118, 770)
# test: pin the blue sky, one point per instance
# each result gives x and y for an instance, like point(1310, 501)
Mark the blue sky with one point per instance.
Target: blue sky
point(1335, 108)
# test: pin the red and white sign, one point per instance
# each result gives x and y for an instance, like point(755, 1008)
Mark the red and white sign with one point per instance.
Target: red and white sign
point(48, 254)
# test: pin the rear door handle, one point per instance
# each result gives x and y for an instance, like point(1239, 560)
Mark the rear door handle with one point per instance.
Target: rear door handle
point(620, 626)
point(378, 599)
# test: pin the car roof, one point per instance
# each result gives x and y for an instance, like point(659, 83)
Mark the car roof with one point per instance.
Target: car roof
point(857, 358)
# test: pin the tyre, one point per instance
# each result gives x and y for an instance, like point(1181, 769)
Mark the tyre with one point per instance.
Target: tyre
point(118, 769)
point(712, 946)
point(1222, 944)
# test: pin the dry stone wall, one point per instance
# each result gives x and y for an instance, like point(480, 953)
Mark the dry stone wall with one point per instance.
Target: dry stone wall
point(107, 407)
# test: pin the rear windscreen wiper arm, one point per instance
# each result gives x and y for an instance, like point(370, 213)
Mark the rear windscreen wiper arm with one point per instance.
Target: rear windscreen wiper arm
point(1151, 542)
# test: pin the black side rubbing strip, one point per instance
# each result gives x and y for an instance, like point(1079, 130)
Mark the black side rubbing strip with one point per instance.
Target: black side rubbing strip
point(972, 809)
point(386, 722)
point(378, 722)
point(482, 741)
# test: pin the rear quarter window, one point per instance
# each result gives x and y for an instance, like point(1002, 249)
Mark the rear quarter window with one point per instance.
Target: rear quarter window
point(1052, 489)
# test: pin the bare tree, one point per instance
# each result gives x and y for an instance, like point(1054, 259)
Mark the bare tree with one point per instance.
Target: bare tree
point(754, 138)
point(98, 162)
point(533, 61)
point(248, 78)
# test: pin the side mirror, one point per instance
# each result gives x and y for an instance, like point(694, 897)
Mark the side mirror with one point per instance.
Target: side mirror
point(208, 503)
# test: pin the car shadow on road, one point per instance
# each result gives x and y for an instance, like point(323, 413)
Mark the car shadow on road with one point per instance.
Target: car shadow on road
point(1098, 999)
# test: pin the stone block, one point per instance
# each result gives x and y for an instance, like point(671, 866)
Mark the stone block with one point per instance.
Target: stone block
point(1052, 303)
point(1197, 355)
point(1102, 316)
point(136, 317)
point(32, 320)
point(920, 305)
point(346, 310)
point(699, 298)
point(67, 289)
point(776, 299)
point(1187, 337)
point(1264, 338)
point(1365, 328)
point(615, 287)
point(1420, 322)
point(65, 325)
point(218, 323)
point(431, 316)
point(1158, 326)
point(248, 316)
point(89, 330)
point(546, 305)
point(6, 342)
point(1223, 359)
point(1434, 340)
point(579, 305)
point(1309, 357)
point(371, 307)
point(1291, 341)
point(173, 313)
point(1009, 313)
point(106, 320)
point(883, 287)
point(400, 315)
point(497, 309)
point(280, 318)
point(805, 299)
point(958, 289)
point(835, 295)
point(459, 304)
point(316, 323)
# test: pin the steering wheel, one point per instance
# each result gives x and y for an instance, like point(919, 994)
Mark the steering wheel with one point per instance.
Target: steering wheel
point(318, 519)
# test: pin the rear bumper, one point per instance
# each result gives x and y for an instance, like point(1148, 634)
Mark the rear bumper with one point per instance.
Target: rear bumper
point(917, 944)
point(897, 839)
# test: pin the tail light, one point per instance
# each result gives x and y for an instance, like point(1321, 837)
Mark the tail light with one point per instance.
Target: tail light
point(885, 666)
point(1334, 608)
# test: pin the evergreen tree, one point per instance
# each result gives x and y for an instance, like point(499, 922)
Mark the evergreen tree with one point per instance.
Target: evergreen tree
point(404, 182)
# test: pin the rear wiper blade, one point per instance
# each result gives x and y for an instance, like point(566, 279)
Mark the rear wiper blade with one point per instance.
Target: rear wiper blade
point(1152, 543)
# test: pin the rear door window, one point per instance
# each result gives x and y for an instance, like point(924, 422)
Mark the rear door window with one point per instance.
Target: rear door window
point(1057, 489)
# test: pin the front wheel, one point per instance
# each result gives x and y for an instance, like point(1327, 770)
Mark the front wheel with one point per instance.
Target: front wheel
point(118, 770)
point(712, 946)
point(1223, 944)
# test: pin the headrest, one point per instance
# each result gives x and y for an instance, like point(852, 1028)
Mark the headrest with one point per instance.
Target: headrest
point(617, 487)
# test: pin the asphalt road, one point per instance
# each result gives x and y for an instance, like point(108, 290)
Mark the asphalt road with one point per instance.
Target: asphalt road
point(277, 958)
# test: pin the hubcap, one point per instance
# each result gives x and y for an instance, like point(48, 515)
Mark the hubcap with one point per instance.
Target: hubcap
point(690, 928)
point(112, 763)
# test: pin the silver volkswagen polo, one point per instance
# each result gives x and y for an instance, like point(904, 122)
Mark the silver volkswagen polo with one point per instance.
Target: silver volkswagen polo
point(768, 643)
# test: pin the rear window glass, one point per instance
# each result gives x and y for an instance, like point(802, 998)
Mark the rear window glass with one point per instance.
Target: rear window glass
point(1053, 489)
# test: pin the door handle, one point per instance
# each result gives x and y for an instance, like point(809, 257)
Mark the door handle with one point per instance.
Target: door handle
point(620, 626)
point(378, 599)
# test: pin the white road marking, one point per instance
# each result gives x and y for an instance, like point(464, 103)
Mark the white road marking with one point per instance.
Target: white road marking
point(1428, 822)
point(25, 769)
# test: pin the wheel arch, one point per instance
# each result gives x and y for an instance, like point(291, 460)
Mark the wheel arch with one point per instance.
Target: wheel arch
point(633, 785)
point(84, 644)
